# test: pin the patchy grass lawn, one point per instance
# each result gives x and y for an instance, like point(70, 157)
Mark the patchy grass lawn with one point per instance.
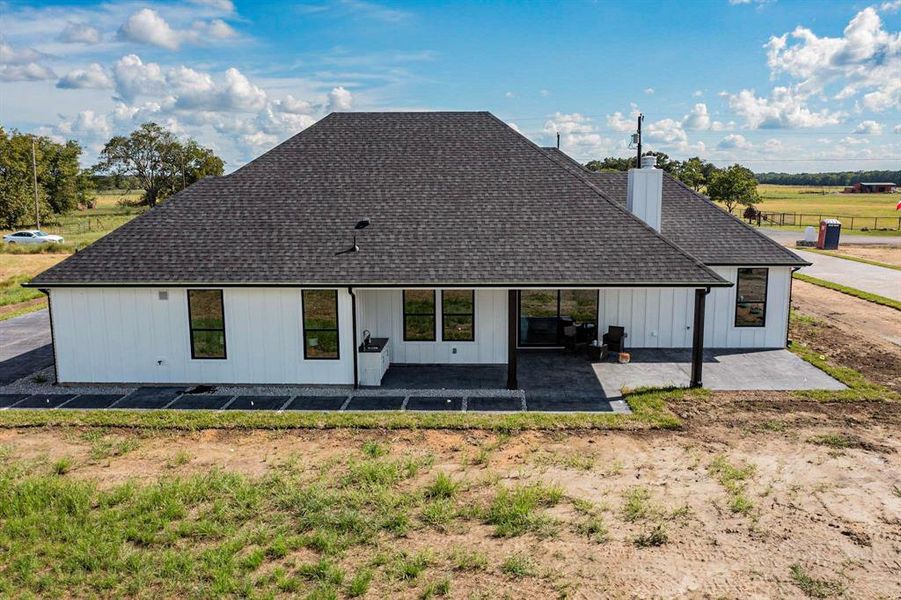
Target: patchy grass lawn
point(417, 513)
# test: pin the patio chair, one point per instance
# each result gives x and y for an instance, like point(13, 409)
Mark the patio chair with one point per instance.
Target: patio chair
point(615, 339)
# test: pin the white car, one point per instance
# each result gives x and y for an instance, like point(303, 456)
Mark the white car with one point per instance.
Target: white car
point(32, 236)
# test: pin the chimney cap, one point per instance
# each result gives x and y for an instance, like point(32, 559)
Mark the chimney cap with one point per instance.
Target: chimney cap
point(648, 162)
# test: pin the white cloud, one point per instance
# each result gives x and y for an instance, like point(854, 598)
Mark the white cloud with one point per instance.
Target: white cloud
point(93, 77)
point(649, 91)
point(578, 135)
point(772, 145)
point(260, 139)
point(853, 141)
point(290, 104)
point(896, 129)
point(698, 118)
point(147, 27)
point(697, 93)
point(666, 131)
point(544, 93)
point(80, 33)
point(784, 108)
point(87, 124)
point(339, 99)
point(225, 6)
point(865, 60)
point(134, 78)
point(869, 127)
point(509, 95)
point(734, 141)
point(618, 122)
point(890, 6)
point(22, 65)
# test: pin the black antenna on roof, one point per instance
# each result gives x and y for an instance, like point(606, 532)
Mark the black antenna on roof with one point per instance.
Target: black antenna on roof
point(558, 140)
point(361, 224)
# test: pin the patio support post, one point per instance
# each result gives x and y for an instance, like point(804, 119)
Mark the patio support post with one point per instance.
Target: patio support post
point(697, 344)
point(511, 340)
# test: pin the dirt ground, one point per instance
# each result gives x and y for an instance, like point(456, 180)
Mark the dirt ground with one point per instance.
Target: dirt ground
point(852, 331)
point(830, 510)
point(885, 254)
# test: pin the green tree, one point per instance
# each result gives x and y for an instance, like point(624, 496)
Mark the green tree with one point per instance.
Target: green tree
point(61, 175)
point(691, 173)
point(17, 181)
point(161, 164)
point(733, 186)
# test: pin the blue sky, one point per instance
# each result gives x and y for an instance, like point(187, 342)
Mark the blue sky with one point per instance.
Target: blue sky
point(775, 84)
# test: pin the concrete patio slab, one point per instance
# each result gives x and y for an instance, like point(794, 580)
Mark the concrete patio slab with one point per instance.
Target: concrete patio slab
point(376, 403)
point(258, 403)
point(442, 403)
point(43, 401)
point(200, 402)
point(564, 404)
point(7, 400)
point(493, 404)
point(775, 370)
point(150, 397)
point(86, 401)
point(317, 403)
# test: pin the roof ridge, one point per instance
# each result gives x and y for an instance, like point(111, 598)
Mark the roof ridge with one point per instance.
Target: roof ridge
point(739, 221)
point(622, 209)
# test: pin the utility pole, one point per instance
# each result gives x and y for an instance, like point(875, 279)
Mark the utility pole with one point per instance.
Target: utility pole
point(34, 172)
point(638, 161)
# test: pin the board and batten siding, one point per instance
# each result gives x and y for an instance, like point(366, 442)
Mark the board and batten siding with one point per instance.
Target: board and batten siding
point(120, 335)
point(381, 312)
point(663, 317)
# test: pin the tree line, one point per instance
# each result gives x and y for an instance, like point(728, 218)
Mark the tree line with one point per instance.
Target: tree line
point(150, 159)
point(732, 186)
point(842, 178)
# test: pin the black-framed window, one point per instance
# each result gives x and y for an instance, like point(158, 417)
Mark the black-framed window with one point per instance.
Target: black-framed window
point(544, 313)
point(206, 320)
point(750, 297)
point(458, 315)
point(320, 325)
point(419, 315)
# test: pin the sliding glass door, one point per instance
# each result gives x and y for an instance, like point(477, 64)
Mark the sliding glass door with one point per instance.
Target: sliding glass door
point(543, 314)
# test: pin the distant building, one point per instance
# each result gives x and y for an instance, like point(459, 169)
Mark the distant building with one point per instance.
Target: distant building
point(879, 187)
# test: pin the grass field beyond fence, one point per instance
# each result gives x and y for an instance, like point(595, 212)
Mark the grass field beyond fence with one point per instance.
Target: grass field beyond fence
point(806, 205)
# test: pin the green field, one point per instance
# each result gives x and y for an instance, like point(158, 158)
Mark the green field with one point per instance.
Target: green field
point(827, 202)
point(80, 228)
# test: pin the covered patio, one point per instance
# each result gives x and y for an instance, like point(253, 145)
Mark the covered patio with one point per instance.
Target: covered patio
point(549, 380)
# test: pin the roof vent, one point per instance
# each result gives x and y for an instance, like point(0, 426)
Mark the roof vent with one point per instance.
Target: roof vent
point(648, 162)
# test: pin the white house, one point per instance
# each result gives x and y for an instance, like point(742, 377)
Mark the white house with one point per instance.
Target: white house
point(448, 237)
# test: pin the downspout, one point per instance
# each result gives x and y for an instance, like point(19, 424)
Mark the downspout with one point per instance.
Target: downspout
point(788, 318)
point(52, 336)
point(353, 312)
point(697, 346)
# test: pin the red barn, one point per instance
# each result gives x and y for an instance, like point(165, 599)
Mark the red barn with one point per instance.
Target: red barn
point(879, 187)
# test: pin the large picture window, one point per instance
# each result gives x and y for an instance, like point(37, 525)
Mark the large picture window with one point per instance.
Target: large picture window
point(206, 319)
point(320, 325)
point(544, 314)
point(750, 298)
point(419, 315)
point(458, 320)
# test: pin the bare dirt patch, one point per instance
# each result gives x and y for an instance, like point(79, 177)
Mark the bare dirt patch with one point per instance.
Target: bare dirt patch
point(860, 334)
point(890, 255)
point(753, 486)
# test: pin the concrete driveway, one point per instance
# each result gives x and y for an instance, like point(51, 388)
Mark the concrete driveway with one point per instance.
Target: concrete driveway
point(775, 370)
point(24, 346)
point(861, 276)
point(788, 237)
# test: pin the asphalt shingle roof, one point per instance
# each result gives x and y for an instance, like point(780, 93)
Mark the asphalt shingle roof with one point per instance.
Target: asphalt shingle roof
point(453, 198)
point(696, 224)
